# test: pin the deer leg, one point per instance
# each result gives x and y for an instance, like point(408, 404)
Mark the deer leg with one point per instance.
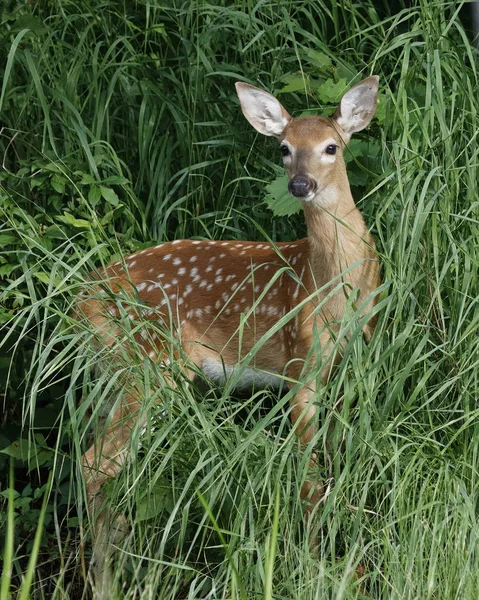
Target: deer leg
point(303, 417)
point(103, 460)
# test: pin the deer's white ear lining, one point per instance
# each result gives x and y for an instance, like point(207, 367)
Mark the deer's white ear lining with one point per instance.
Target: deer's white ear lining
point(262, 110)
point(358, 106)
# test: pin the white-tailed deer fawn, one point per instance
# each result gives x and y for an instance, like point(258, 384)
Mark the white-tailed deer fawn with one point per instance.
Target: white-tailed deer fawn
point(207, 292)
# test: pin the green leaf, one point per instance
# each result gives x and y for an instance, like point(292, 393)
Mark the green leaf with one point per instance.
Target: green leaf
point(381, 108)
point(6, 315)
point(58, 183)
point(43, 277)
point(42, 457)
point(110, 215)
point(7, 269)
point(115, 180)
point(358, 177)
point(86, 178)
point(37, 181)
point(109, 195)
point(319, 59)
point(8, 238)
point(94, 195)
point(74, 222)
point(346, 71)
point(330, 92)
point(159, 28)
point(7, 492)
point(31, 22)
point(279, 200)
point(157, 498)
point(294, 83)
point(54, 233)
point(21, 450)
point(361, 148)
point(51, 167)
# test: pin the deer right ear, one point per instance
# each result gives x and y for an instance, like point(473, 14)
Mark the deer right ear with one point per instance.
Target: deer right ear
point(358, 106)
point(262, 110)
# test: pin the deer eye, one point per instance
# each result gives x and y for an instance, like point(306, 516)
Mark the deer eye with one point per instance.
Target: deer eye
point(331, 149)
point(284, 150)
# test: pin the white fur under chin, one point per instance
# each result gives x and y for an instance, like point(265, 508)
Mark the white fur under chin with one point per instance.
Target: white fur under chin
point(247, 377)
point(326, 198)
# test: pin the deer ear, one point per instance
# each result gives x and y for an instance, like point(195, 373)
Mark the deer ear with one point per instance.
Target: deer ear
point(357, 106)
point(262, 110)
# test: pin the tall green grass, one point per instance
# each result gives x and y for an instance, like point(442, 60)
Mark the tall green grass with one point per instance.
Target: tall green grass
point(121, 128)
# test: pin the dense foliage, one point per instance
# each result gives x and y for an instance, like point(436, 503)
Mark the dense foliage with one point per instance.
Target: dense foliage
point(120, 128)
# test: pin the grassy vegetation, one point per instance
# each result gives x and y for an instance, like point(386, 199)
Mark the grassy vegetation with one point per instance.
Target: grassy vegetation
point(120, 127)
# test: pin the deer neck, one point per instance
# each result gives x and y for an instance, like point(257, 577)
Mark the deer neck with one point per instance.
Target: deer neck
point(340, 246)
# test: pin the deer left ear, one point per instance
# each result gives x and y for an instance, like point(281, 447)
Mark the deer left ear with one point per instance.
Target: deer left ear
point(357, 106)
point(262, 110)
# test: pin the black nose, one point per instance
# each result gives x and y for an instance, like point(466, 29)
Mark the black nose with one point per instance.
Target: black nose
point(300, 186)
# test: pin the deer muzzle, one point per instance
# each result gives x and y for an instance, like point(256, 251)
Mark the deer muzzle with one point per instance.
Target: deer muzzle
point(301, 186)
